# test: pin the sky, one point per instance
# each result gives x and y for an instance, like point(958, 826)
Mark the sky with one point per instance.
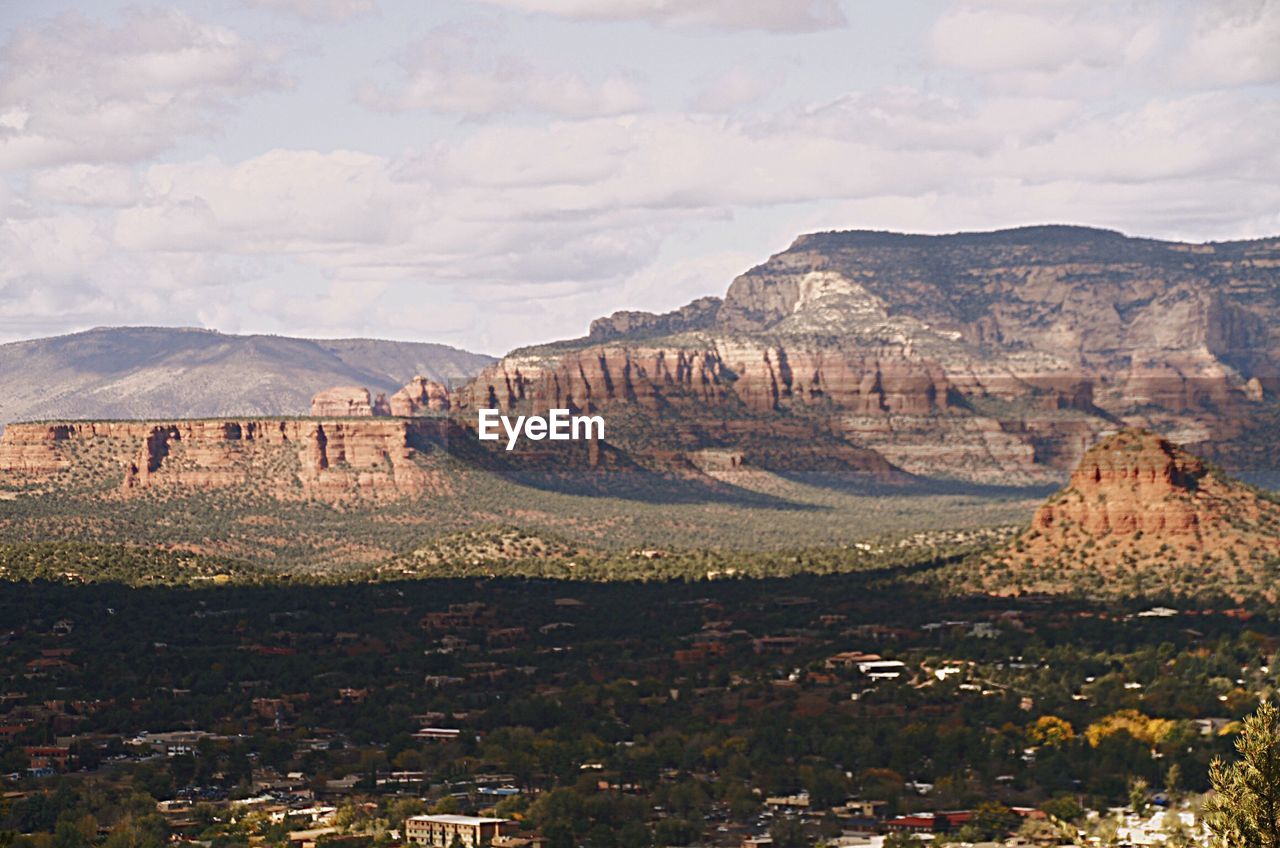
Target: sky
point(493, 173)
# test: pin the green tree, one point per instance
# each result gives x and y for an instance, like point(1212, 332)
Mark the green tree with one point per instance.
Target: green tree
point(1244, 811)
point(1139, 795)
point(787, 833)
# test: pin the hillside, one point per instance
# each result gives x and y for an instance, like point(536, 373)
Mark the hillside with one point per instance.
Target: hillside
point(161, 372)
point(986, 357)
point(1141, 516)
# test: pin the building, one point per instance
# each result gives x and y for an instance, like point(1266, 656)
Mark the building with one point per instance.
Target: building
point(447, 734)
point(440, 831)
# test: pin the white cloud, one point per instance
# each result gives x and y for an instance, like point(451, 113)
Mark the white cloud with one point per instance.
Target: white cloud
point(577, 194)
point(448, 72)
point(1235, 42)
point(733, 88)
point(75, 90)
point(769, 15)
point(319, 10)
point(87, 185)
point(1036, 38)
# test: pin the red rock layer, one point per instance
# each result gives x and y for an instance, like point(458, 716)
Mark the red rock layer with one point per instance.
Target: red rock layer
point(337, 459)
point(418, 397)
point(348, 402)
point(1133, 482)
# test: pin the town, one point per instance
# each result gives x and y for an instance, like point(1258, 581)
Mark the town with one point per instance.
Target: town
point(754, 713)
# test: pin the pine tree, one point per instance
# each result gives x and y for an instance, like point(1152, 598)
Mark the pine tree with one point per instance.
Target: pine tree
point(1244, 811)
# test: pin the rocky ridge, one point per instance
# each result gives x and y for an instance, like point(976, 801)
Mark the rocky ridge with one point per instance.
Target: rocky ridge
point(989, 357)
point(993, 358)
point(288, 459)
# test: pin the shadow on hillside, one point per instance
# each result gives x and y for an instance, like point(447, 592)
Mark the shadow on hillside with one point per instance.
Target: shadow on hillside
point(913, 486)
point(650, 487)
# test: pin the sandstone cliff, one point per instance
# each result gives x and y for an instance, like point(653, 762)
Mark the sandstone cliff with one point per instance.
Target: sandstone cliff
point(348, 402)
point(1140, 513)
point(330, 460)
point(992, 357)
point(418, 397)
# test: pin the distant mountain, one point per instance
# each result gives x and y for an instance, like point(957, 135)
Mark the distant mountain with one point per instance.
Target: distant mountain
point(992, 357)
point(1142, 516)
point(163, 372)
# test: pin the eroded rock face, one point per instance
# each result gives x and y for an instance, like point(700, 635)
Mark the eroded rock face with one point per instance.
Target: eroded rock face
point(347, 402)
point(328, 459)
point(588, 379)
point(991, 357)
point(418, 397)
point(1138, 500)
point(1130, 483)
point(1141, 515)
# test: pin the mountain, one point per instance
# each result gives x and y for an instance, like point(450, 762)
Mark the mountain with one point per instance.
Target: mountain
point(1142, 514)
point(161, 372)
point(992, 357)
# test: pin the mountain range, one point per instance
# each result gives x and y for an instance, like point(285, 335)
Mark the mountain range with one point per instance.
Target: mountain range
point(992, 357)
point(164, 372)
point(981, 358)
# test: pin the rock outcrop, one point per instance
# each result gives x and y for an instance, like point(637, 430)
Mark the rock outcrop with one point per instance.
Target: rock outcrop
point(348, 402)
point(994, 358)
point(327, 459)
point(419, 397)
point(1141, 513)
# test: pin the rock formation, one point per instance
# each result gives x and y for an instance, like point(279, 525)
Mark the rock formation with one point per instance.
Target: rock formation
point(992, 357)
point(348, 402)
point(1141, 512)
point(987, 357)
point(328, 459)
point(420, 396)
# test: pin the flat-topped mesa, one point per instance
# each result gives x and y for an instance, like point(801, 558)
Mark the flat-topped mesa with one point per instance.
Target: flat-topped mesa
point(348, 402)
point(948, 353)
point(329, 459)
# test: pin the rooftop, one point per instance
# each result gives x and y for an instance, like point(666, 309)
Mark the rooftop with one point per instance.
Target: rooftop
point(452, 819)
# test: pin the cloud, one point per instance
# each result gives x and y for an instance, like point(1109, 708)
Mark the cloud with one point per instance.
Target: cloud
point(580, 193)
point(326, 11)
point(733, 88)
point(1044, 38)
point(767, 15)
point(1235, 42)
point(87, 185)
point(75, 90)
point(65, 271)
point(449, 73)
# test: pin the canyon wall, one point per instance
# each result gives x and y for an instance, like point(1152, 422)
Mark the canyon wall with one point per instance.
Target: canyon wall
point(331, 460)
point(989, 357)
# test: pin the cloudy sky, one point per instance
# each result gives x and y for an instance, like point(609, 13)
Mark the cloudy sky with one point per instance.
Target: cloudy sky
point(490, 173)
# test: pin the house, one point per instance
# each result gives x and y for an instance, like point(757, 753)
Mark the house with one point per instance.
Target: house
point(440, 831)
point(862, 811)
point(882, 669)
point(799, 801)
point(438, 733)
point(47, 756)
point(849, 659)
